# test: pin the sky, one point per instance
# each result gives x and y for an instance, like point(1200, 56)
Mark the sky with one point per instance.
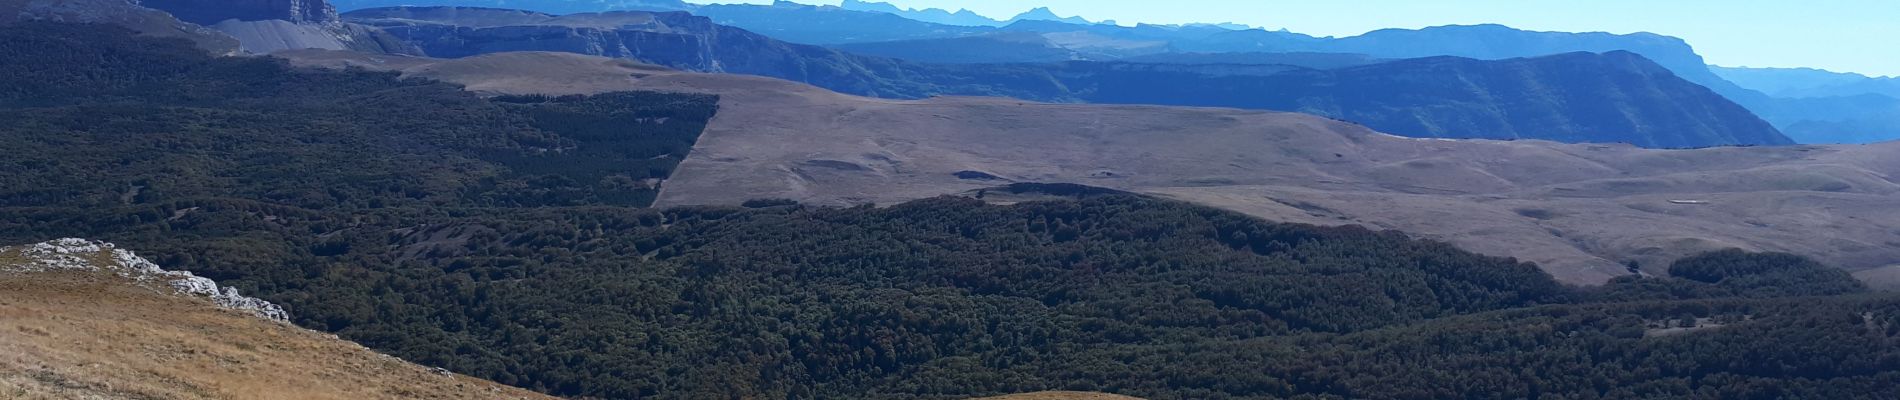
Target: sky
point(1860, 36)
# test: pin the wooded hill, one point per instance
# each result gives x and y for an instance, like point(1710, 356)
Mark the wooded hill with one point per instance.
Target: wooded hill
point(498, 238)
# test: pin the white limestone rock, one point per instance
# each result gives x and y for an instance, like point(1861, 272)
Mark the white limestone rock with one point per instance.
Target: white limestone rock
point(88, 255)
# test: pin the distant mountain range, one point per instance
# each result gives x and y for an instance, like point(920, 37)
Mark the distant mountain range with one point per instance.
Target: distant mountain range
point(1573, 97)
point(1809, 82)
point(1864, 118)
point(940, 36)
point(1045, 14)
point(1817, 106)
point(221, 26)
point(546, 6)
point(1002, 47)
point(885, 55)
point(932, 15)
point(1578, 97)
point(1308, 60)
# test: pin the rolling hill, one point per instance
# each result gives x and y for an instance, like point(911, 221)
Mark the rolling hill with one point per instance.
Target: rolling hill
point(1580, 211)
point(99, 326)
point(792, 22)
point(492, 236)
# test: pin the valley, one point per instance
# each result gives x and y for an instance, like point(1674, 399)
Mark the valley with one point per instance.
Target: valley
point(656, 199)
point(1582, 211)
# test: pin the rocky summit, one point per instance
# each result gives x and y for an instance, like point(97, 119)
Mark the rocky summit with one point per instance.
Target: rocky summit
point(211, 12)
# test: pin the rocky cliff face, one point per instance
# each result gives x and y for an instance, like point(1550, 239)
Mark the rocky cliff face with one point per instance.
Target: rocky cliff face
point(220, 26)
point(672, 39)
point(271, 36)
point(93, 256)
point(268, 26)
point(210, 12)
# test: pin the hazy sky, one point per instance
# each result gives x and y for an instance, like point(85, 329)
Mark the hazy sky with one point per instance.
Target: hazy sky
point(1841, 35)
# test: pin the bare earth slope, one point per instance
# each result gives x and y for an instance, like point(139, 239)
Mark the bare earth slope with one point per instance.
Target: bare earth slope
point(69, 334)
point(1580, 211)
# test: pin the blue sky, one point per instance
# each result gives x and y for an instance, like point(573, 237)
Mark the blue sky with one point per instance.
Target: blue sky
point(1840, 35)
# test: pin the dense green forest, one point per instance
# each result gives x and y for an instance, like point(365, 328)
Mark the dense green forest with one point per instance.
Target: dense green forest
point(105, 121)
point(501, 238)
point(951, 297)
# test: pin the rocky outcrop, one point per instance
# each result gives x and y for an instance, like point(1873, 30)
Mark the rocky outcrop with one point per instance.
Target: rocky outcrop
point(677, 40)
point(271, 36)
point(269, 26)
point(211, 12)
point(87, 255)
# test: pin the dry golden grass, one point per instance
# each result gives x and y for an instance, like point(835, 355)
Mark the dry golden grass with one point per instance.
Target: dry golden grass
point(11, 256)
point(67, 335)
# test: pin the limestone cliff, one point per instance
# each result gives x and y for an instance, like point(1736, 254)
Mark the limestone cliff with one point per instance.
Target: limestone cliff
point(211, 12)
point(269, 26)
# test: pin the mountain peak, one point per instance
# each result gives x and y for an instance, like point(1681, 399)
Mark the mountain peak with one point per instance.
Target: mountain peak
point(1046, 14)
point(1038, 13)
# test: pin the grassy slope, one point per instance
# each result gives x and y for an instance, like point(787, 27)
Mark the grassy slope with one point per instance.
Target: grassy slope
point(83, 335)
